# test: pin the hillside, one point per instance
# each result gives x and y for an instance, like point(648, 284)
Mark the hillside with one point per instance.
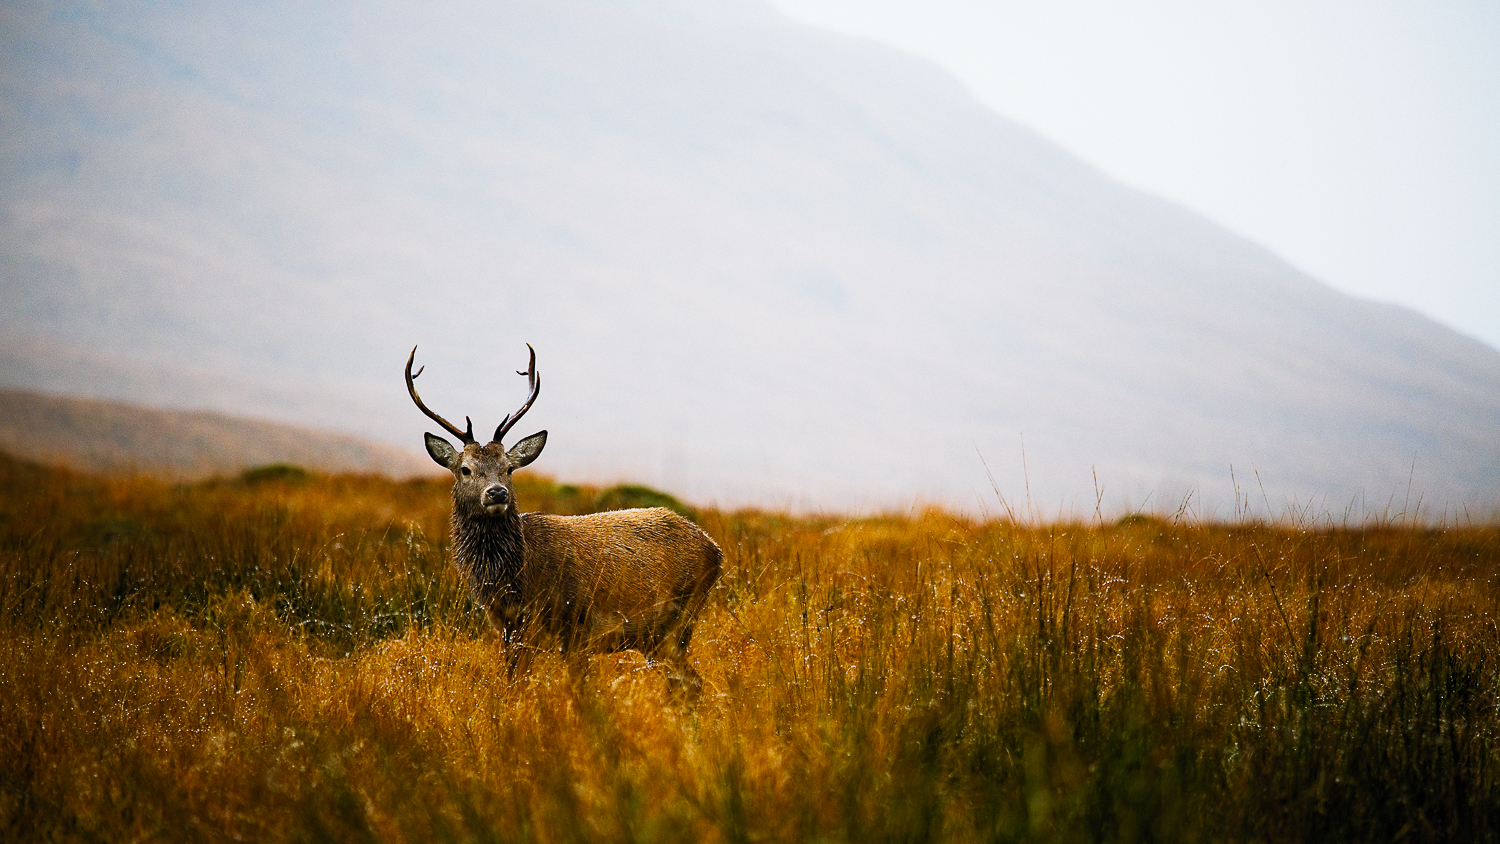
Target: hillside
point(759, 263)
point(105, 436)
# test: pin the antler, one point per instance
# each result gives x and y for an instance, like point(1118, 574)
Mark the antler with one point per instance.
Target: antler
point(411, 387)
point(534, 379)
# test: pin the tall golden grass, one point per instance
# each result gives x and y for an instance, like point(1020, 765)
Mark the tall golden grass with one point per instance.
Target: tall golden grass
point(291, 657)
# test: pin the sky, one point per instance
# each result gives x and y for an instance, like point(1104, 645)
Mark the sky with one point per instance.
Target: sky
point(1360, 141)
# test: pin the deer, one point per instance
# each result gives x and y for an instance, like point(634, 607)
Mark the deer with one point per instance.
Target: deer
point(598, 583)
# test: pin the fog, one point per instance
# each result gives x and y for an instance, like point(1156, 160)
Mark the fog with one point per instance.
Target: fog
point(761, 265)
point(1355, 140)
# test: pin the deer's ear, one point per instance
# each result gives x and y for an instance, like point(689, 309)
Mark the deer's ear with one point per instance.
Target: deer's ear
point(442, 452)
point(527, 450)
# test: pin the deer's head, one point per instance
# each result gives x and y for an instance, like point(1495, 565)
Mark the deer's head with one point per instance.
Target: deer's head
point(481, 473)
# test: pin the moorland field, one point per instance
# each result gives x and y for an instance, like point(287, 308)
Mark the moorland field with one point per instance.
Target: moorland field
point(290, 656)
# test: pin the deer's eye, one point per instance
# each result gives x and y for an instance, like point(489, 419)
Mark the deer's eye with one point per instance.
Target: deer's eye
point(467, 471)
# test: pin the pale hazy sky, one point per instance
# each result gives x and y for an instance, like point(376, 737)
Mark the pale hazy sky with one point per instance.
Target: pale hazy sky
point(1358, 140)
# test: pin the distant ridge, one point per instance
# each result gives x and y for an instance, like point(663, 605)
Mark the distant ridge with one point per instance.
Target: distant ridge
point(114, 437)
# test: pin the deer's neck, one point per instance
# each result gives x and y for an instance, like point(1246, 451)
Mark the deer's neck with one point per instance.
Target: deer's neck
point(490, 551)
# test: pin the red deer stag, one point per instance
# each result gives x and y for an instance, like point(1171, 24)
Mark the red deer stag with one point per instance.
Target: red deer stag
point(624, 580)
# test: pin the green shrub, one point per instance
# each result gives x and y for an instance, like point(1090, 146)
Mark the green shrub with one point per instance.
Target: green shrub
point(627, 496)
point(274, 473)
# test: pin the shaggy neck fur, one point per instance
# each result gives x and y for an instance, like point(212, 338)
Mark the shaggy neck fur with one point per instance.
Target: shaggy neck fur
point(489, 550)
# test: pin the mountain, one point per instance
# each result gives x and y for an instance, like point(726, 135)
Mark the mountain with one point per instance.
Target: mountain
point(759, 264)
point(103, 436)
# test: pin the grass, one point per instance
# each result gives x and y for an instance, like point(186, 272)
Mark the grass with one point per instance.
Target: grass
point(288, 656)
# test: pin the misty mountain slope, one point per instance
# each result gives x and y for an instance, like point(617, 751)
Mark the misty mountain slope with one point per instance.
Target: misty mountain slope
point(102, 436)
point(759, 263)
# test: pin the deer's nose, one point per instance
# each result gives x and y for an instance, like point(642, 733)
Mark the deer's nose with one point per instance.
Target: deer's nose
point(495, 495)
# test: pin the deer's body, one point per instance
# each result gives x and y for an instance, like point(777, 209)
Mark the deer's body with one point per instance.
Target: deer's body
point(624, 580)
